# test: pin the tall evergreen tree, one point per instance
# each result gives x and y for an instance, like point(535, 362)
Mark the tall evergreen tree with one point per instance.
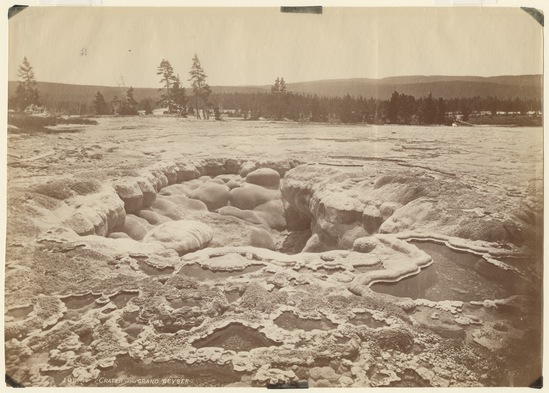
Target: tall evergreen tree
point(465, 112)
point(129, 97)
point(283, 101)
point(318, 113)
point(279, 99)
point(275, 89)
point(441, 112)
point(282, 86)
point(493, 104)
point(179, 96)
point(408, 107)
point(100, 105)
point(130, 104)
point(125, 106)
point(27, 92)
point(275, 92)
point(146, 106)
point(217, 113)
point(346, 111)
point(201, 89)
point(393, 108)
point(428, 112)
point(165, 69)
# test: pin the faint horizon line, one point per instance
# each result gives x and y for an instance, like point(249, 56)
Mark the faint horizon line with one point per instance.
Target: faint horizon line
point(306, 81)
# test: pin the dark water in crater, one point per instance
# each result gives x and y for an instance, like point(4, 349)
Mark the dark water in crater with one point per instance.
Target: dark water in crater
point(20, 312)
point(77, 302)
point(235, 337)
point(79, 305)
point(289, 321)
point(130, 372)
point(455, 275)
point(58, 375)
point(122, 298)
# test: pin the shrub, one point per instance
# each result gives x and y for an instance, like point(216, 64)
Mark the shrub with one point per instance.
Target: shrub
point(76, 120)
point(31, 122)
point(39, 123)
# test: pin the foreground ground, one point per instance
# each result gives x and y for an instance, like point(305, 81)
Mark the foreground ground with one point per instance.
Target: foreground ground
point(162, 251)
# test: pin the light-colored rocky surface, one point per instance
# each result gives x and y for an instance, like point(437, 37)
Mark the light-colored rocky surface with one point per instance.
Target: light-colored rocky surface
point(263, 253)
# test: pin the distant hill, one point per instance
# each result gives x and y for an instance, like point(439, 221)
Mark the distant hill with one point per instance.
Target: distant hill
point(523, 86)
point(60, 95)
point(56, 95)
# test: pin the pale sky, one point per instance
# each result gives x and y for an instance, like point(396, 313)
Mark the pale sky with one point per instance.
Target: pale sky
point(252, 46)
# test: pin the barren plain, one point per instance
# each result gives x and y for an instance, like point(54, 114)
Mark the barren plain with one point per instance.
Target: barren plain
point(159, 251)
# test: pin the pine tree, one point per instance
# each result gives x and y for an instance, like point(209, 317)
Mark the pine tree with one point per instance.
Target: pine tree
point(130, 105)
point(165, 69)
point(127, 105)
point(318, 113)
point(147, 107)
point(179, 96)
point(217, 113)
point(279, 98)
point(408, 107)
point(429, 110)
point(129, 97)
point(282, 86)
point(275, 93)
point(201, 89)
point(493, 104)
point(441, 112)
point(394, 107)
point(275, 89)
point(100, 105)
point(283, 101)
point(346, 111)
point(465, 112)
point(27, 92)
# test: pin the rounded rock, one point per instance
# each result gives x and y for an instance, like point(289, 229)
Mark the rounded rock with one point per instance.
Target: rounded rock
point(136, 227)
point(119, 235)
point(214, 195)
point(365, 244)
point(233, 184)
point(186, 172)
point(250, 196)
point(261, 238)
point(149, 194)
point(273, 213)
point(265, 177)
point(246, 215)
point(388, 208)
point(130, 192)
point(183, 236)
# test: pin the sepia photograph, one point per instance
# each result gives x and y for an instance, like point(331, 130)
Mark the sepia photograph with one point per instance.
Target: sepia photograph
point(274, 197)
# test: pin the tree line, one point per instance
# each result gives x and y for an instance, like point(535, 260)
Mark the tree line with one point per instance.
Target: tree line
point(173, 95)
point(26, 93)
point(399, 109)
point(278, 104)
